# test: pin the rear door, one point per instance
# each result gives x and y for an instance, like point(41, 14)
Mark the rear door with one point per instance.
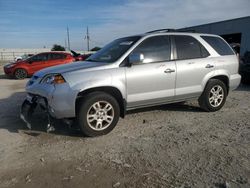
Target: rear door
point(153, 80)
point(55, 59)
point(193, 64)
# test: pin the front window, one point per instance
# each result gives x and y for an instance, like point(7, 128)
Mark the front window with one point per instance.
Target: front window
point(39, 57)
point(154, 49)
point(114, 50)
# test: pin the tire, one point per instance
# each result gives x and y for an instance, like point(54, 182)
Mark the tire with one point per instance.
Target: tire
point(20, 74)
point(214, 96)
point(98, 114)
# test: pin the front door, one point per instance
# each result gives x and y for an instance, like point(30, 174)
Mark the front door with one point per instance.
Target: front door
point(151, 81)
point(37, 62)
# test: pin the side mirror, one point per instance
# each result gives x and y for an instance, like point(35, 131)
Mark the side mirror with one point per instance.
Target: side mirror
point(135, 58)
point(29, 61)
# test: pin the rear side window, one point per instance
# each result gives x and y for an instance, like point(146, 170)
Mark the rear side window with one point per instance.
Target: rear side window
point(56, 56)
point(220, 46)
point(155, 49)
point(189, 48)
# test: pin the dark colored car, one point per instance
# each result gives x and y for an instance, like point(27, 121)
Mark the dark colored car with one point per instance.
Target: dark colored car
point(245, 68)
point(24, 68)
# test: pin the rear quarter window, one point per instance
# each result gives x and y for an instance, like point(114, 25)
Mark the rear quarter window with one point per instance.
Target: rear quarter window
point(219, 45)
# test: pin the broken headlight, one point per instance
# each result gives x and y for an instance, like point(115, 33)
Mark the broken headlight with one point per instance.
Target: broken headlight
point(53, 79)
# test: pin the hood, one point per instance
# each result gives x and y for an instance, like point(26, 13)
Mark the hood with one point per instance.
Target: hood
point(69, 67)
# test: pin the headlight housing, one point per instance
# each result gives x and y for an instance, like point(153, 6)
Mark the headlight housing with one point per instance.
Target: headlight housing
point(53, 79)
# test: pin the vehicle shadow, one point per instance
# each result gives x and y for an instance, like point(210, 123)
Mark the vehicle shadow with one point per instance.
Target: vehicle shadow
point(244, 87)
point(177, 107)
point(10, 119)
point(4, 76)
point(8, 77)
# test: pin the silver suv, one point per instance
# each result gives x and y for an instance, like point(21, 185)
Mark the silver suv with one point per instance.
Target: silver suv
point(154, 68)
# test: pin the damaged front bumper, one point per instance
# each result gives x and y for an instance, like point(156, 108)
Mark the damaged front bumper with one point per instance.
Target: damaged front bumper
point(28, 107)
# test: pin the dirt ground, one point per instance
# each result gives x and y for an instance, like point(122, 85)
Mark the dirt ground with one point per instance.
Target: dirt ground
point(174, 145)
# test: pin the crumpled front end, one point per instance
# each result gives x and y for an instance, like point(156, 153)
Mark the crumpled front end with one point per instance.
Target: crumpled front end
point(57, 100)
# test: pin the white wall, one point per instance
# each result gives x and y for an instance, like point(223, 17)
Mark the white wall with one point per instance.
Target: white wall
point(12, 53)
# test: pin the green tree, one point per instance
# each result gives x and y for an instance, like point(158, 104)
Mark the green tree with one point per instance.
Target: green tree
point(57, 47)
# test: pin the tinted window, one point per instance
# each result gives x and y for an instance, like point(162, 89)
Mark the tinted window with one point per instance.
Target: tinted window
point(40, 57)
point(220, 46)
point(189, 48)
point(56, 56)
point(154, 49)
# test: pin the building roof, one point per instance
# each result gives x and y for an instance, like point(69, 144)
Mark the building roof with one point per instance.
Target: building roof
point(224, 21)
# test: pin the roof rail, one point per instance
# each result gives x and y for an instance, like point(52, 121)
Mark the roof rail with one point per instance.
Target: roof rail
point(161, 31)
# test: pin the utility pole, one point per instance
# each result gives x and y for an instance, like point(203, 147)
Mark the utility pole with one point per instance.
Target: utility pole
point(87, 37)
point(68, 38)
point(65, 44)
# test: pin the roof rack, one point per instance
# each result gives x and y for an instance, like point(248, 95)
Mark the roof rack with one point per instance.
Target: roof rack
point(161, 31)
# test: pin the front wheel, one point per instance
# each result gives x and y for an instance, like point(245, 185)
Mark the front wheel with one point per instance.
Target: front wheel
point(98, 114)
point(214, 96)
point(20, 74)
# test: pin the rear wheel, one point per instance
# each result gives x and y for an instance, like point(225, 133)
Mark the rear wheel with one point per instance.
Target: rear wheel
point(214, 96)
point(20, 74)
point(98, 114)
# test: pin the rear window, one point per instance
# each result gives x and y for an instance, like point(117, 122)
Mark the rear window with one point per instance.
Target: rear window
point(219, 45)
point(189, 48)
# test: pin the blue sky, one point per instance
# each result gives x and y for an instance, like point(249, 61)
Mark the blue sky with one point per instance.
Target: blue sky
point(38, 23)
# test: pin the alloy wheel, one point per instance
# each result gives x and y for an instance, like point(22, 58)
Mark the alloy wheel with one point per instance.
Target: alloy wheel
point(100, 115)
point(216, 96)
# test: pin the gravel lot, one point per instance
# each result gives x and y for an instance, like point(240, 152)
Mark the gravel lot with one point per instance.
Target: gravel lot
point(168, 146)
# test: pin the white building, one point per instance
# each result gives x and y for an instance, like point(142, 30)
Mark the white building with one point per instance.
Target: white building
point(233, 31)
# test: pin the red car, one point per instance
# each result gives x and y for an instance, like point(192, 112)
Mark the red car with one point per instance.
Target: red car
point(24, 68)
point(80, 57)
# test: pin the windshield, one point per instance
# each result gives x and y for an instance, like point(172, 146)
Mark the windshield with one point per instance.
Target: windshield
point(114, 50)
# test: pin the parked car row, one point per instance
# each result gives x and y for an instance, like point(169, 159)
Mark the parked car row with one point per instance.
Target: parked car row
point(27, 66)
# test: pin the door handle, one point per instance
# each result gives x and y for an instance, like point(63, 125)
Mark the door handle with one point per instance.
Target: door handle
point(208, 66)
point(169, 70)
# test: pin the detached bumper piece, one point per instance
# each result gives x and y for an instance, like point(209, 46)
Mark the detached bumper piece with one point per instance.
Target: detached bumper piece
point(28, 107)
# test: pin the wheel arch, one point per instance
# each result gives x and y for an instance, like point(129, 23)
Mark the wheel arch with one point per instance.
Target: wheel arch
point(223, 78)
point(113, 91)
